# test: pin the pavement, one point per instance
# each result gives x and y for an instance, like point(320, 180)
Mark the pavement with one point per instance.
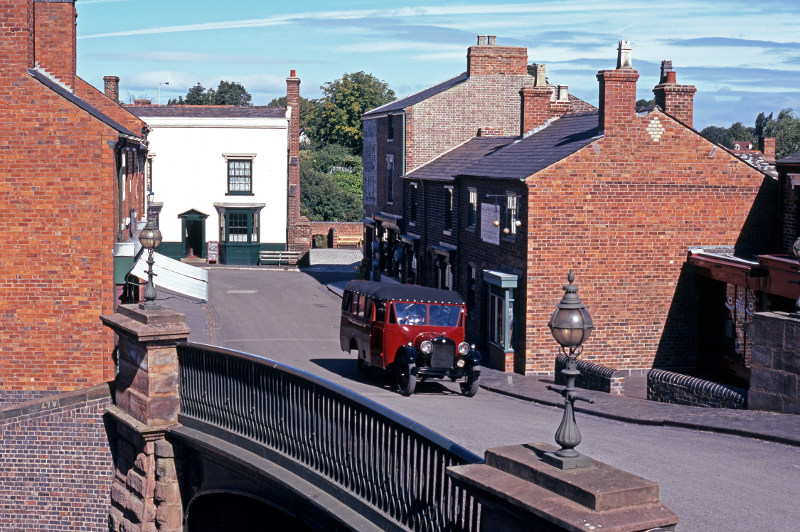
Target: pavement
point(631, 408)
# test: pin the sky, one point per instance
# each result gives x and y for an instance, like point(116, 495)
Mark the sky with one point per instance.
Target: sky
point(742, 55)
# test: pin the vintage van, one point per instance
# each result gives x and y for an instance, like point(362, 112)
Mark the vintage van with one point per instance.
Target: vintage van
point(415, 332)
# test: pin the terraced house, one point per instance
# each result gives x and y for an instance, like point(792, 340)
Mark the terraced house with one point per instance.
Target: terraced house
point(72, 191)
point(618, 194)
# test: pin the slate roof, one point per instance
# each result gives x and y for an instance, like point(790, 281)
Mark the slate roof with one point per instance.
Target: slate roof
point(793, 158)
point(448, 165)
point(78, 102)
point(522, 158)
point(420, 96)
point(756, 158)
point(207, 111)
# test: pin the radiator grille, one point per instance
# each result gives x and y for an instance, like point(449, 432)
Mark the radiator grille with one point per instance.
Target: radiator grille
point(443, 355)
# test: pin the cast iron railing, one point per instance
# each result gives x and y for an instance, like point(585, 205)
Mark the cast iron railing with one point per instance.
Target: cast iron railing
point(393, 464)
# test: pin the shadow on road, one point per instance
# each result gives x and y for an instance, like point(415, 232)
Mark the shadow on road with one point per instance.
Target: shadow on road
point(378, 378)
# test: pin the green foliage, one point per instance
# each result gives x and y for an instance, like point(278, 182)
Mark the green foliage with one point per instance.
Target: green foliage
point(330, 196)
point(645, 103)
point(307, 109)
point(227, 93)
point(785, 128)
point(337, 119)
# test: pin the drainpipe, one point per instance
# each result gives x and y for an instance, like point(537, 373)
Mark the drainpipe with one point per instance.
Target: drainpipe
point(403, 151)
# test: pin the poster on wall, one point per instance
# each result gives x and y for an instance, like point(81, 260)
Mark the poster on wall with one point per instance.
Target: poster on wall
point(490, 212)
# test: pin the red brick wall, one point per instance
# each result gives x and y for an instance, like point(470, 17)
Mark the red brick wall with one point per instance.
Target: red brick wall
point(452, 117)
point(56, 467)
point(298, 230)
point(55, 39)
point(788, 214)
point(348, 229)
point(676, 100)
point(59, 215)
point(617, 98)
point(492, 59)
point(623, 218)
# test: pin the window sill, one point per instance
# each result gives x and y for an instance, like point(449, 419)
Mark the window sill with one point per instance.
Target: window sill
point(447, 233)
point(239, 194)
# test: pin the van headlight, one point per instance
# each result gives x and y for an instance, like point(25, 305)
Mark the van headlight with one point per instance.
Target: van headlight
point(463, 348)
point(426, 347)
point(461, 362)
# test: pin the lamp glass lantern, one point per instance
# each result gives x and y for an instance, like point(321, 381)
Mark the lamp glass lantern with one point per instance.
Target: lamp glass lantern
point(150, 238)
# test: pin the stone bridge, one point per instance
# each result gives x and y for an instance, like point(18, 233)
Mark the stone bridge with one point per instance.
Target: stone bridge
point(208, 439)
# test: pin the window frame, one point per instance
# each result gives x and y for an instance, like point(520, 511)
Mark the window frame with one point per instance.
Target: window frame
point(448, 210)
point(472, 207)
point(232, 161)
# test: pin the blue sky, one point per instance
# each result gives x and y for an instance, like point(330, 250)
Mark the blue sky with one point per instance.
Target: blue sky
point(743, 56)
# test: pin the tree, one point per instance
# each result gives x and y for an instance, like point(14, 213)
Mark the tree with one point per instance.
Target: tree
point(307, 109)
point(227, 93)
point(645, 103)
point(785, 129)
point(338, 117)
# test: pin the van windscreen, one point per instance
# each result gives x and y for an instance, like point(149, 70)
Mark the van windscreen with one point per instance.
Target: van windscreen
point(425, 314)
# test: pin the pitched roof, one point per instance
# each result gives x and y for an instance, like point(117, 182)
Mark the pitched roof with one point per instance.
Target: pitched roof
point(524, 157)
point(448, 165)
point(793, 158)
point(420, 96)
point(756, 159)
point(78, 102)
point(208, 111)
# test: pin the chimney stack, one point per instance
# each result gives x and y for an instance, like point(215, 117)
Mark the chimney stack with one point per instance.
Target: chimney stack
point(490, 59)
point(675, 100)
point(618, 92)
point(111, 88)
point(535, 108)
point(54, 39)
point(293, 239)
point(767, 147)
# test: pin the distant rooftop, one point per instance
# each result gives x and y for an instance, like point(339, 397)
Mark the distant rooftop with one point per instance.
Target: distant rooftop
point(207, 111)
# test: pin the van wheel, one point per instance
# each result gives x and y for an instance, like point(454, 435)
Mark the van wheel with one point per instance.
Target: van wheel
point(470, 387)
point(363, 369)
point(406, 381)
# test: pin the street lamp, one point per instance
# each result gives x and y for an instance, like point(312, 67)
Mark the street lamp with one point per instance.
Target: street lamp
point(570, 325)
point(159, 91)
point(150, 238)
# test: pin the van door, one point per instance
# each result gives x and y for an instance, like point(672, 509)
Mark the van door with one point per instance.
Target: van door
point(376, 336)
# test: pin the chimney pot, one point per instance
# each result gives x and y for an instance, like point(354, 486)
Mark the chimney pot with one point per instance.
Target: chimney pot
point(491, 39)
point(481, 40)
point(624, 55)
point(563, 95)
point(666, 67)
point(292, 74)
point(111, 88)
point(671, 77)
point(540, 75)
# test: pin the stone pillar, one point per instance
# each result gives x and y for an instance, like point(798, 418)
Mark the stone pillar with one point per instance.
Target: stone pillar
point(144, 494)
point(775, 363)
point(518, 491)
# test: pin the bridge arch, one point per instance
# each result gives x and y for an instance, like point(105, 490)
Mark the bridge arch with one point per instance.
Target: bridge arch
point(220, 511)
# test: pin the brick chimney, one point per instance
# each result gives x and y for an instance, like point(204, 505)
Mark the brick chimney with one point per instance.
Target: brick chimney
point(486, 58)
point(16, 36)
point(618, 92)
point(111, 88)
point(767, 147)
point(54, 38)
point(675, 100)
point(293, 201)
point(535, 107)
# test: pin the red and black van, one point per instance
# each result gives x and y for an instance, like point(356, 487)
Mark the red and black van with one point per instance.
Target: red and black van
point(415, 332)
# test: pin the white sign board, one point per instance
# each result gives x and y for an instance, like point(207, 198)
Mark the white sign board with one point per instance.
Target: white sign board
point(489, 232)
point(174, 275)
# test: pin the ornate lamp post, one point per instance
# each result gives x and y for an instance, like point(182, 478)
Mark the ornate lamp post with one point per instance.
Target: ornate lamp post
point(570, 325)
point(150, 238)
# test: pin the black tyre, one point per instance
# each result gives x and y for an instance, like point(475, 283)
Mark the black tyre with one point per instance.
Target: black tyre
point(405, 380)
point(469, 388)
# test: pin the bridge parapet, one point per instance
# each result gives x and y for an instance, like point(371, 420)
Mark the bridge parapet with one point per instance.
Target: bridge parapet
point(144, 493)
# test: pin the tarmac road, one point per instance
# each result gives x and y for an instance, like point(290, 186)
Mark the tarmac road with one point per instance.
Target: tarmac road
point(712, 481)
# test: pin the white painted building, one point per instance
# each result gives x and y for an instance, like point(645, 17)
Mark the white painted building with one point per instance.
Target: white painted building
point(221, 174)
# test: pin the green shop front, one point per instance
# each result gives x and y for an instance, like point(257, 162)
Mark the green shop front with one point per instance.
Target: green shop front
point(239, 232)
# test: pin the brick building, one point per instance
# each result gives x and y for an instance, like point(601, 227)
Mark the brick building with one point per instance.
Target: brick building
point(225, 174)
point(72, 190)
point(619, 194)
point(408, 133)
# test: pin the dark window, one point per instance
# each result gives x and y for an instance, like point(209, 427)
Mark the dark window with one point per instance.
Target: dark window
point(240, 176)
point(472, 278)
point(237, 227)
point(240, 225)
point(390, 180)
point(390, 130)
point(413, 201)
point(448, 209)
point(472, 208)
point(149, 174)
